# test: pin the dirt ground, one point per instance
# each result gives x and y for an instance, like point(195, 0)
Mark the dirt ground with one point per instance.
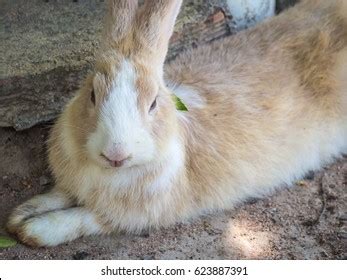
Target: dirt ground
point(305, 221)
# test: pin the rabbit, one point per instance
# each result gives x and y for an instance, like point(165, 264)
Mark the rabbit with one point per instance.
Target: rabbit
point(265, 106)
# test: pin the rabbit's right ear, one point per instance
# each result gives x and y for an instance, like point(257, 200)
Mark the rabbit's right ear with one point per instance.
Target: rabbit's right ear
point(119, 19)
point(155, 25)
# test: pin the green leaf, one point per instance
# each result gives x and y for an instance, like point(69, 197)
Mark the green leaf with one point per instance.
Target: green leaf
point(179, 104)
point(6, 242)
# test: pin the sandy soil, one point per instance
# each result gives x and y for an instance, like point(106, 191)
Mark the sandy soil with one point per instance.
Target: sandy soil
point(305, 221)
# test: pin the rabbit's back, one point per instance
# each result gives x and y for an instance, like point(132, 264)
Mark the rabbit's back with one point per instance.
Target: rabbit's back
point(303, 41)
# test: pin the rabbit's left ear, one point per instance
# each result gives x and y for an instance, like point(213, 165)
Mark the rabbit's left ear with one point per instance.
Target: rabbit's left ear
point(155, 25)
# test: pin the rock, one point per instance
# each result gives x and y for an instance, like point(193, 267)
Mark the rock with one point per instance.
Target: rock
point(342, 234)
point(148, 257)
point(309, 176)
point(247, 13)
point(301, 183)
point(343, 217)
point(81, 255)
point(44, 180)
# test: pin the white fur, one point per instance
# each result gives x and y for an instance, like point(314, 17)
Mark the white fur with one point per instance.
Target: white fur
point(40, 204)
point(120, 122)
point(94, 178)
point(57, 227)
point(120, 181)
point(189, 96)
point(173, 162)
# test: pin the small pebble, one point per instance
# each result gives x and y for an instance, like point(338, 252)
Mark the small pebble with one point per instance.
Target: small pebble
point(148, 257)
point(301, 183)
point(80, 255)
point(309, 176)
point(342, 234)
point(343, 217)
point(44, 181)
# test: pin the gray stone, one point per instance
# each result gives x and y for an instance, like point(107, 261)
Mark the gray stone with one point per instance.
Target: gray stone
point(44, 181)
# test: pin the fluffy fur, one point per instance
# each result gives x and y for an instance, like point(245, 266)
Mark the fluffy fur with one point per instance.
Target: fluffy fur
point(265, 106)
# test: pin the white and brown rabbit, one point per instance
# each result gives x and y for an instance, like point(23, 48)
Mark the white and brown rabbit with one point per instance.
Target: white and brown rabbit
point(264, 107)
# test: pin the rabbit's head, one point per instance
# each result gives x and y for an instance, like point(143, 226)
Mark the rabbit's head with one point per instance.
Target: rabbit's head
point(125, 107)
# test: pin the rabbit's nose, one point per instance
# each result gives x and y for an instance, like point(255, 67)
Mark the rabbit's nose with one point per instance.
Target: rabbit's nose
point(116, 158)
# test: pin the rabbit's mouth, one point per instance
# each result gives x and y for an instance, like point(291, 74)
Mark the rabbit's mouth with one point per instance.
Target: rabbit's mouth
point(115, 162)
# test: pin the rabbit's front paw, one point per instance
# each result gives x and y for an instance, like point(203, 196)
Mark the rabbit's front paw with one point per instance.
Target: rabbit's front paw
point(34, 207)
point(56, 227)
point(42, 231)
point(19, 215)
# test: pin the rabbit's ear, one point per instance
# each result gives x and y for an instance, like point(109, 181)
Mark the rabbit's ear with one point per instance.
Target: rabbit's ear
point(155, 25)
point(119, 19)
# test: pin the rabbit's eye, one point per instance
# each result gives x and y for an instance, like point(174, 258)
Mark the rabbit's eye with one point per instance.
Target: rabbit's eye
point(154, 105)
point(92, 97)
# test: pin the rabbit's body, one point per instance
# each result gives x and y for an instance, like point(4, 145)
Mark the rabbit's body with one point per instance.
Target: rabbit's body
point(265, 106)
point(271, 104)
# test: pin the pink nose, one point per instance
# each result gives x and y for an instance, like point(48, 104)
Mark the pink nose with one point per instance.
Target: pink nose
point(115, 159)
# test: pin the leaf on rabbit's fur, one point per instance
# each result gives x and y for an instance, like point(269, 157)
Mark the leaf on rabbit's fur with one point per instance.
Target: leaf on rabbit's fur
point(6, 242)
point(179, 104)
